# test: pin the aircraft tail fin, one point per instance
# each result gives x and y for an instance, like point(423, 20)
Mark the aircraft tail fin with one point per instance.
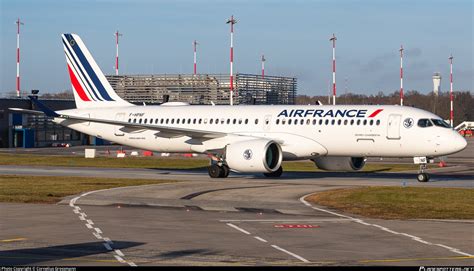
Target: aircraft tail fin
point(91, 88)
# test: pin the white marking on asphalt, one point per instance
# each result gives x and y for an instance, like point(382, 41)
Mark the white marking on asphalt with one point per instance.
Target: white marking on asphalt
point(237, 228)
point(119, 258)
point(286, 221)
point(118, 254)
point(360, 221)
point(291, 253)
point(265, 241)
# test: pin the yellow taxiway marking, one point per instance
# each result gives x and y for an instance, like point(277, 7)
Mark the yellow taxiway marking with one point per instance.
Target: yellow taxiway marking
point(418, 259)
point(12, 240)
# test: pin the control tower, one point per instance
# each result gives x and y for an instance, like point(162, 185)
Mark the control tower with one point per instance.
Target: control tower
point(436, 83)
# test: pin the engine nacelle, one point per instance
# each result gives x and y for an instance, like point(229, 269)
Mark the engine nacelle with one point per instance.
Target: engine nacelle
point(257, 155)
point(338, 163)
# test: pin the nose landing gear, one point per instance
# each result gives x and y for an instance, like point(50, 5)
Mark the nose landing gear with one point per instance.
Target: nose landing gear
point(422, 175)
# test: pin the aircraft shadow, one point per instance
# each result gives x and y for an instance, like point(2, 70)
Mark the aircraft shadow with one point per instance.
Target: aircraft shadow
point(34, 256)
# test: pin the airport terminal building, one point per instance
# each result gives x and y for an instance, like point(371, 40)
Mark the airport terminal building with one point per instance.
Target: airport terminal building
point(205, 88)
point(28, 131)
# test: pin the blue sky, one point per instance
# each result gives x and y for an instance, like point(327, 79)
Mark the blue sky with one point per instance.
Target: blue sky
point(293, 35)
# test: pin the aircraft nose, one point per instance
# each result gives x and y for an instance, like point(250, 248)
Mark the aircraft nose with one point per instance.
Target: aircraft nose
point(460, 143)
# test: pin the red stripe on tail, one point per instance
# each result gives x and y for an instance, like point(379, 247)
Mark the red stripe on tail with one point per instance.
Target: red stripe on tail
point(77, 86)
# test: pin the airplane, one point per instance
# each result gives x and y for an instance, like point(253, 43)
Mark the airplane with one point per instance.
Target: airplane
point(251, 138)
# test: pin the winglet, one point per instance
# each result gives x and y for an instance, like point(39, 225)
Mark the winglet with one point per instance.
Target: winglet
point(47, 111)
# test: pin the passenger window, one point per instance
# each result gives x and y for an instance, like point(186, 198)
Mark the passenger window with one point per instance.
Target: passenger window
point(177, 121)
point(277, 121)
point(302, 121)
point(352, 122)
point(320, 122)
point(339, 122)
point(333, 121)
point(200, 121)
point(228, 121)
point(326, 122)
point(194, 121)
point(240, 121)
point(283, 121)
point(377, 122)
point(246, 121)
point(371, 122)
point(314, 121)
point(144, 121)
point(365, 122)
point(211, 121)
point(256, 121)
point(205, 121)
point(234, 121)
point(172, 121)
point(161, 121)
point(424, 123)
point(217, 121)
point(289, 121)
point(358, 122)
point(345, 122)
point(134, 120)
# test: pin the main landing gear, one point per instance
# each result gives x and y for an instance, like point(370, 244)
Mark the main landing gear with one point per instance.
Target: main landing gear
point(218, 171)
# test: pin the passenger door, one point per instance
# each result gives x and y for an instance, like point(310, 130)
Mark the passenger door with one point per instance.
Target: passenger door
point(393, 127)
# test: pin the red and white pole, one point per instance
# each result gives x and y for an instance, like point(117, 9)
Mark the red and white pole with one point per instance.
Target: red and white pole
point(333, 39)
point(231, 21)
point(117, 34)
point(451, 96)
point(263, 66)
point(195, 65)
point(401, 74)
point(18, 23)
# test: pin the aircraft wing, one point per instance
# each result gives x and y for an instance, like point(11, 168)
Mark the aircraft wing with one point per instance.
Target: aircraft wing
point(164, 131)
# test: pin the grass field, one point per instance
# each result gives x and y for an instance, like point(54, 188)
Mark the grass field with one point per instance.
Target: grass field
point(163, 163)
point(40, 189)
point(400, 202)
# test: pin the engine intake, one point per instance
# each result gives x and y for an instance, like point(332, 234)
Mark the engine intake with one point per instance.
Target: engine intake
point(337, 163)
point(258, 155)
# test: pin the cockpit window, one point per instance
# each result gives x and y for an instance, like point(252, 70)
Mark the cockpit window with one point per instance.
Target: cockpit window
point(441, 123)
point(424, 123)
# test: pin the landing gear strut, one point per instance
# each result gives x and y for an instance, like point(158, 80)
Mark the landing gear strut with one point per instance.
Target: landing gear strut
point(422, 176)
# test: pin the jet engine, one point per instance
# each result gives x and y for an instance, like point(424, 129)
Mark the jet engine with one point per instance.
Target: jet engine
point(340, 163)
point(257, 155)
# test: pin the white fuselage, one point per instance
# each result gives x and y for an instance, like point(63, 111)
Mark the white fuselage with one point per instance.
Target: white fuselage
point(302, 131)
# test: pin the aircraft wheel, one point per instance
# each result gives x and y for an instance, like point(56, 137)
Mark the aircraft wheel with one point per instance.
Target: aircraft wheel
point(423, 177)
point(214, 171)
point(225, 170)
point(275, 174)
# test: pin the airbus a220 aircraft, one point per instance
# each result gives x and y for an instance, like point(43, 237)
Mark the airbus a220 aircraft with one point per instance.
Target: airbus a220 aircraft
point(251, 139)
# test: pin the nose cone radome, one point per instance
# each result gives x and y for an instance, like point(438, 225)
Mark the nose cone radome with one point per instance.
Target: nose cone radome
point(460, 143)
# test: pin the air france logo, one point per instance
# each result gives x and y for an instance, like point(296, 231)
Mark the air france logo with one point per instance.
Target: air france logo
point(408, 123)
point(351, 113)
point(248, 154)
